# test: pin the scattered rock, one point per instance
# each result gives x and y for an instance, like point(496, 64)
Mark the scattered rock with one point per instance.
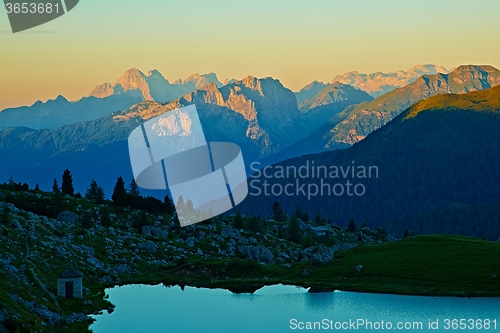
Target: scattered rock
point(191, 241)
point(227, 231)
point(76, 318)
point(147, 246)
point(146, 230)
point(61, 250)
point(95, 262)
point(258, 253)
point(123, 268)
point(106, 279)
point(319, 254)
point(283, 255)
point(68, 217)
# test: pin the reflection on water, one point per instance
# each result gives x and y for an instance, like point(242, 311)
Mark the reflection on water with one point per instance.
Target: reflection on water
point(141, 308)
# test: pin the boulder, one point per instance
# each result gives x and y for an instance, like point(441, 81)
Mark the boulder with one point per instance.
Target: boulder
point(123, 268)
point(191, 241)
point(319, 254)
point(68, 217)
point(227, 231)
point(147, 246)
point(76, 318)
point(258, 253)
point(146, 230)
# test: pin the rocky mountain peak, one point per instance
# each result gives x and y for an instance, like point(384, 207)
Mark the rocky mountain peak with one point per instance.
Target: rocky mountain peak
point(199, 81)
point(378, 83)
point(134, 79)
point(154, 73)
point(102, 90)
point(252, 83)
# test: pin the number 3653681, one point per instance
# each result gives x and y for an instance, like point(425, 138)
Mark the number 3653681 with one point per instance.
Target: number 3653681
point(32, 8)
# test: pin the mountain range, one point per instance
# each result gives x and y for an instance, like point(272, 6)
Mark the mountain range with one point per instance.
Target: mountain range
point(153, 86)
point(379, 83)
point(355, 122)
point(437, 159)
point(135, 86)
point(375, 84)
point(131, 88)
point(260, 115)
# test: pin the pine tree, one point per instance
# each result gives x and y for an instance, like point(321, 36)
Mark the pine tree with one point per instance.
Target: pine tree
point(141, 221)
point(352, 226)
point(95, 192)
point(306, 217)
point(406, 233)
point(86, 220)
point(134, 189)
point(276, 204)
point(317, 219)
point(278, 213)
point(169, 205)
point(55, 187)
point(294, 233)
point(298, 211)
point(119, 196)
point(280, 233)
point(307, 241)
point(37, 188)
point(105, 217)
point(238, 220)
point(381, 231)
point(67, 183)
point(5, 217)
point(253, 224)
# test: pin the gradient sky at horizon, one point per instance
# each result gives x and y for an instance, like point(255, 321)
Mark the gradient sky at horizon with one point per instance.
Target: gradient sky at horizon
point(294, 41)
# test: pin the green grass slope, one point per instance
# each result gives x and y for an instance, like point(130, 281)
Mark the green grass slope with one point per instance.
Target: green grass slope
point(421, 265)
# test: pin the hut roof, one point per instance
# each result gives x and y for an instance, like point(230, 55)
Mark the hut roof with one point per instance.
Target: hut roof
point(70, 273)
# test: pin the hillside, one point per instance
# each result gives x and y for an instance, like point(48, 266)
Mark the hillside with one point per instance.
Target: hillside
point(310, 90)
point(354, 123)
point(60, 111)
point(331, 101)
point(432, 265)
point(140, 241)
point(425, 161)
point(115, 245)
point(260, 115)
point(132, 87)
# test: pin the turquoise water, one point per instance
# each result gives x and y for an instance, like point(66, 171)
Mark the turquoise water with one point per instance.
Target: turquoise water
point(142, 308)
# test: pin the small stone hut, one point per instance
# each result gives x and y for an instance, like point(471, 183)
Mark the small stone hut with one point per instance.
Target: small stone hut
point(69, 283)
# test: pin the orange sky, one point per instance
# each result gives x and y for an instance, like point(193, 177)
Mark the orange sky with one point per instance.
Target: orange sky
point(294, 41)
